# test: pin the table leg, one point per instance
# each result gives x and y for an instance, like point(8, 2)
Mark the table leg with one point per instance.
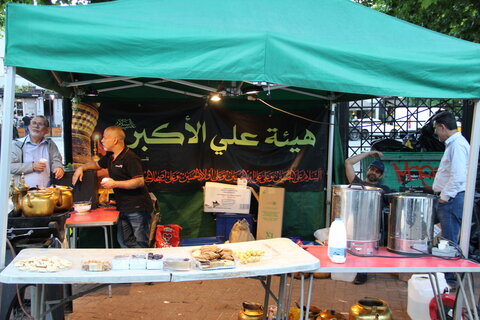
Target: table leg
point(289, 296)
point(35, 301)
point(305, 313)
point(281, 297)
point(111, 236)
point(302, 290)
point(471, 289)
point(105, 232)
point(437, 295)
point(462, 298)
point(37, 296)
point(309, 294)
point(73, 245)
point(267, 297)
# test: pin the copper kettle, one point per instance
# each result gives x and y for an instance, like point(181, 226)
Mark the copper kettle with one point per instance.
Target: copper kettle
point(63, 198)
point(370, 309)
point(38, 203)
point(251, 311)
point(17, 193)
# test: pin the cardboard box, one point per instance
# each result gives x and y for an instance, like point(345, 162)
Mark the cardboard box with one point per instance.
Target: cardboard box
point(220, 197)
point(270, 213)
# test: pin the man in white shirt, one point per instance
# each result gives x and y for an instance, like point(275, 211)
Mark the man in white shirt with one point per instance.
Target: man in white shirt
point(451, 178)
point(36, 156)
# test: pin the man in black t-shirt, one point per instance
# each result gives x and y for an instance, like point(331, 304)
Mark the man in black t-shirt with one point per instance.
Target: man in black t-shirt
point(373, 176)
point(126, 180)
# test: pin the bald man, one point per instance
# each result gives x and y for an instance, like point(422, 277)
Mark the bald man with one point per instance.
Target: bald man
point(126, 180)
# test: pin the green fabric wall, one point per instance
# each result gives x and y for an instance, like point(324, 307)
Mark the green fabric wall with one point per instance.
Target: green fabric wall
point(303, 213)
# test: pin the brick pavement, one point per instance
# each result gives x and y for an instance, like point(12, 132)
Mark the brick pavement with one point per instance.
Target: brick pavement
point(222, 299)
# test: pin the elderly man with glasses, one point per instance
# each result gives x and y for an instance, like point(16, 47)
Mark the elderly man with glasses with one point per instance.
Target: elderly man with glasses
point(36, 156)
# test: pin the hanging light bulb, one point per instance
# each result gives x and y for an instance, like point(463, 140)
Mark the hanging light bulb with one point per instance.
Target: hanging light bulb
point(215, 97)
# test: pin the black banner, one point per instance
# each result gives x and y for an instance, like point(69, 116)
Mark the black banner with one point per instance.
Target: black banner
point(183, 145)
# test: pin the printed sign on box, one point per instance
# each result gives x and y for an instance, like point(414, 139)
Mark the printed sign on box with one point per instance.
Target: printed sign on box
point(270, 213)
point(221, 197)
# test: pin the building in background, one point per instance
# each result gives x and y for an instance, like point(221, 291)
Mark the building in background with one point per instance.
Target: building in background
point(30, 98)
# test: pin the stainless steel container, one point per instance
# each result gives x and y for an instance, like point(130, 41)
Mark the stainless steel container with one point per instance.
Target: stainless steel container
point(410, 224)
point(360, 208)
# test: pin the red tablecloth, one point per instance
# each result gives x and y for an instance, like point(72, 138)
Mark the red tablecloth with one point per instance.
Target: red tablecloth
point(382, 264)
point(94, 218)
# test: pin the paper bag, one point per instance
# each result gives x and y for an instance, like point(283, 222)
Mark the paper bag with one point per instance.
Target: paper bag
point(167, 236)
point(241, 232)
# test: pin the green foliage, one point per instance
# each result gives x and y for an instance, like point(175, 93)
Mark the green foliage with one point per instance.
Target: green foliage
point(24, 88)
point(459, 18)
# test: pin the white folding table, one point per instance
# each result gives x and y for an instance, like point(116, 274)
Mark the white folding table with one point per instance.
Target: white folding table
point(282, 257)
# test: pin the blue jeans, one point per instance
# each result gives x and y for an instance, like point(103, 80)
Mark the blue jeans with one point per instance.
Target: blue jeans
point(450, 216)
point(132, 229)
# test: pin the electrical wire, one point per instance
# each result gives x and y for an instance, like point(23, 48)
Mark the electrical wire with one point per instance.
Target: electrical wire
point(406, 255)
point(457, 247)
point(293, 114)
point(382, 256)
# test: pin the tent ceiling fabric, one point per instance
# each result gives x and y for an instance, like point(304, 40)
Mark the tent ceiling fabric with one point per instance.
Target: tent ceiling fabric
point(324, 46)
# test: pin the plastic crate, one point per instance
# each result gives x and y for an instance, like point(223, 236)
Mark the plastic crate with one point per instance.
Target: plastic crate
point(200, 241)
point(225, 222)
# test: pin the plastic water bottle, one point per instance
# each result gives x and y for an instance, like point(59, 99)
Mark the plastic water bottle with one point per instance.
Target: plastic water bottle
point(337, 242)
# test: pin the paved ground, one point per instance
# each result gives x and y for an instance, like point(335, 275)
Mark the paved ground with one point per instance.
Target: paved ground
point(222, 299)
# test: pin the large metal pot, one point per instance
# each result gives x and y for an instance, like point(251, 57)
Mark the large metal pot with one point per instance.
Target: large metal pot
point(410, 224)
point(360, 208)
point(65, 198)
point(37, 203)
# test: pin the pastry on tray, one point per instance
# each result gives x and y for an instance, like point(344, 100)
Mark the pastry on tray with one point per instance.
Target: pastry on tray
point(211, 257)
point(43, 264)
point(96, 265)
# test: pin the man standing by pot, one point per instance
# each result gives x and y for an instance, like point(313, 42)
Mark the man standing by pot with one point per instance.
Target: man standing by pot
point(36, 156)
point(126, 180)
point(450, 180)
point(372, 179)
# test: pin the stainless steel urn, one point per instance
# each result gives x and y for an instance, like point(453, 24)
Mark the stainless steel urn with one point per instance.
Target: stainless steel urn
point(360, 208)
point(410, 224)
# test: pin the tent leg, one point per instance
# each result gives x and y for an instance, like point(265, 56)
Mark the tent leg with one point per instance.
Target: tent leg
point(7, 135)
point(470, 185)
point(331, 135)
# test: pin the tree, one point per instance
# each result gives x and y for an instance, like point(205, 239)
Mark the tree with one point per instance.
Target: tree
point(459, 18)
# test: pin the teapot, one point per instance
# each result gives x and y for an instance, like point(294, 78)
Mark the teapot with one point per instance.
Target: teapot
point(38, 203)
point(63, 198)
point(251, 311)
point(370, 308)
point(17, 193)
point(15, 196)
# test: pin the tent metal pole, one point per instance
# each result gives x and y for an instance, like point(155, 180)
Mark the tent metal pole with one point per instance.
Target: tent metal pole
point(331, 134)
point(471, 180)
point(7, 135)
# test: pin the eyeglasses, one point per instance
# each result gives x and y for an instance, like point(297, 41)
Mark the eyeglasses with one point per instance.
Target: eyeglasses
point(40, 124)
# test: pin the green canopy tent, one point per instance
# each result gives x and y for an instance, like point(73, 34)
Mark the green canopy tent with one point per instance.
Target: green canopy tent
point(329, 50)
point(333, 46)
